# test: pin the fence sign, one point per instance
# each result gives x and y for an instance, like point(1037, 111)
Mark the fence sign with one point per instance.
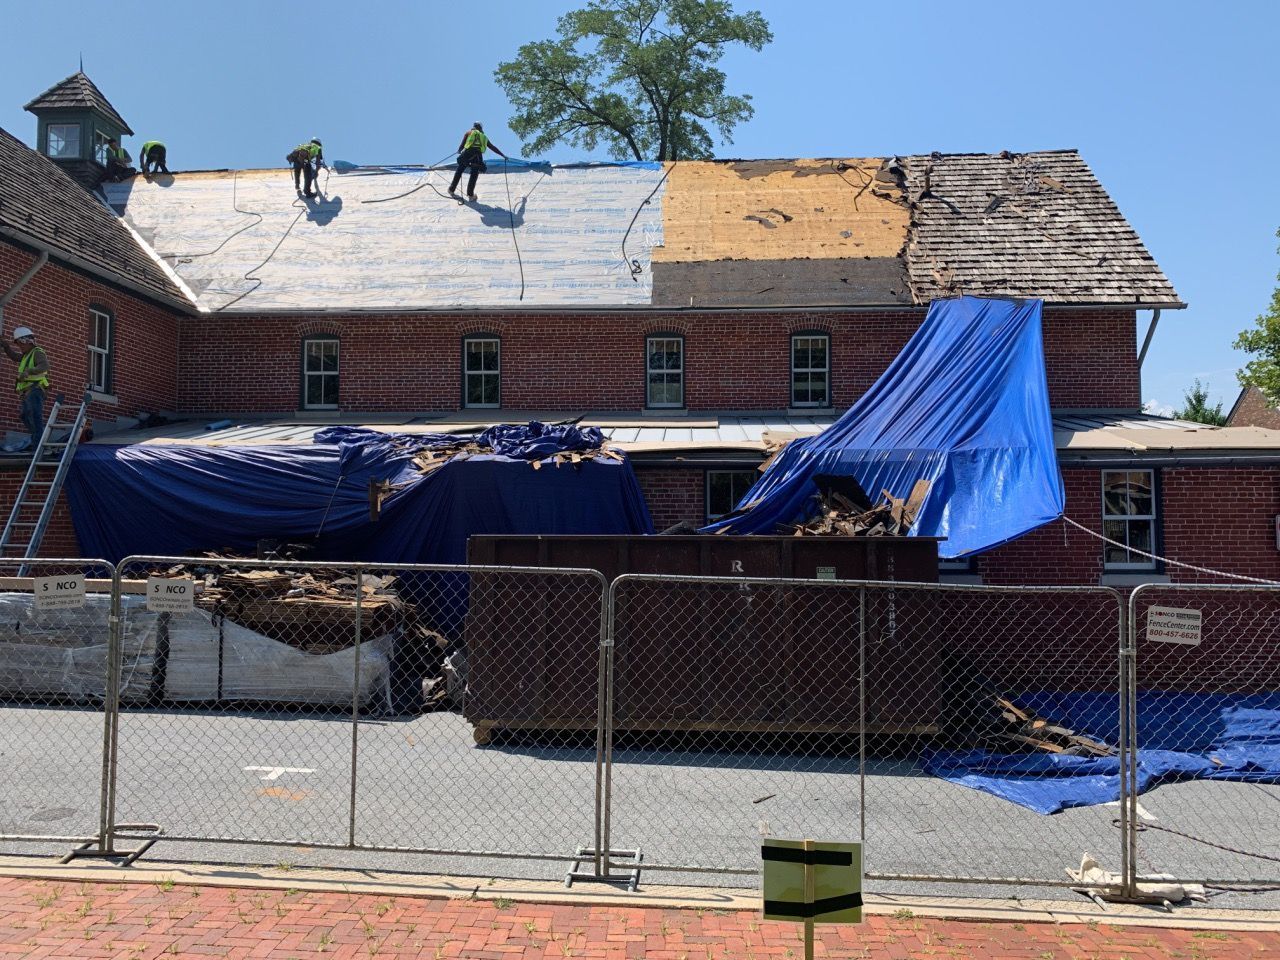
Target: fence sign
point(59, 593)
point(1173, 625)
point(171, 594)
point(831, 894)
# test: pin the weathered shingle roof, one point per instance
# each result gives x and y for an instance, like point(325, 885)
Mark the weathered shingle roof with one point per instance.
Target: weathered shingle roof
point(74, 93)
point(41, 203)
point(1017, 225)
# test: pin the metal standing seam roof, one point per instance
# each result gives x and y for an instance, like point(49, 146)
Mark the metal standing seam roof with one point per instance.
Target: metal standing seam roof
point(1074, 431)
point(40, 204)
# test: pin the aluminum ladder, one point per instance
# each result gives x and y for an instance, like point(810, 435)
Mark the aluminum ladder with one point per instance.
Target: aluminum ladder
point(23, 532)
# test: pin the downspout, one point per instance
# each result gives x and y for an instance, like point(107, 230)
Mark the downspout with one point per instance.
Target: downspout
point(1151, 330)
point(22, 282)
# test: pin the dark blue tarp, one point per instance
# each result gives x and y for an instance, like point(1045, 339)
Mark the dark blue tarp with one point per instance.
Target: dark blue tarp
point(1182, 736)
point(172, 500)
point(965, 405)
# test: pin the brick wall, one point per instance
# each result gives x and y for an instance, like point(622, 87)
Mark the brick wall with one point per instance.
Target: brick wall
point(596, 362)
point(673, 495)
point(60, 537)
point(1252, 410)
point(55, 304)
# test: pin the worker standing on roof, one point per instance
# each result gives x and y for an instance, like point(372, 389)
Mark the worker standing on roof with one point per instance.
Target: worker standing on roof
point(118, 161)
point(471, 154)
point(32, 382)
point(307, 159)
point(153, 158)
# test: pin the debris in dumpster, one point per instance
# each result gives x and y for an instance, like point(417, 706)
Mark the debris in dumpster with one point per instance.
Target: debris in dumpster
point(1031, 730)
point(844, 509)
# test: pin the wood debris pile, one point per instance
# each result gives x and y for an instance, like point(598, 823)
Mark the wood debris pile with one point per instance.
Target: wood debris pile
point(436, 457)
point(1027, 729)
point(845, 510)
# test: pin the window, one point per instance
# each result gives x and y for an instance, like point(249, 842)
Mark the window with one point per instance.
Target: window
point(810, 370)
point(725, 488)
point(320, 373)
point(664, 367)
point(63, 140)
point(101, 330)
point(100, 143)
point(481, 372)
point(958, 565)
point(1129, 517)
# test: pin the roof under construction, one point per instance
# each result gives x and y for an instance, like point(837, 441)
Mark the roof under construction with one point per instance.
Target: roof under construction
point(841, 232)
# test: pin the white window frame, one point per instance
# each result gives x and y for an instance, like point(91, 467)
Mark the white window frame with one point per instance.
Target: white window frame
point(307, 374)
point(481, 373)
point(706, 500)
point(824, 370)
point(100, 354)
point(1138, 562)
point(49, 135)
point(650, 371)
point(100, 143)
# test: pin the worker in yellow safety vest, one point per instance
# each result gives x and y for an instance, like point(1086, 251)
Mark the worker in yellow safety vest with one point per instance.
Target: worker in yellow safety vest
point(153, 157)
point(471, 154)
point(32, 384)
point(307, 159)
point(118, 161)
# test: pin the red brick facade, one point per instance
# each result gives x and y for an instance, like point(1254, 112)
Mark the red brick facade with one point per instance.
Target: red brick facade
point(412, 362)
point(1252, 410)
point(56, 302)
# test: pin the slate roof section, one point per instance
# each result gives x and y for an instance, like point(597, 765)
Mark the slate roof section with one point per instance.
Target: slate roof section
point(1019, 225)
point(77, 92)
point(39, 202)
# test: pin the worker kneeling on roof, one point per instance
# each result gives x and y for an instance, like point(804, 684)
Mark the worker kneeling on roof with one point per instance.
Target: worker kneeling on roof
point(307, 159)
point(118, 161)
point(471, 154)
point(32, 382)
point(153, 158)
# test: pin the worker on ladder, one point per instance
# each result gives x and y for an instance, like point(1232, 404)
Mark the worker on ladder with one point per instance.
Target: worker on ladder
point(307, 159)
point(153, 158)
point(471, 154)
point(32, 382)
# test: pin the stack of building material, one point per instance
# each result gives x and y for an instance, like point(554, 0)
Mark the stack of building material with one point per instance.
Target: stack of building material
point(845, 510)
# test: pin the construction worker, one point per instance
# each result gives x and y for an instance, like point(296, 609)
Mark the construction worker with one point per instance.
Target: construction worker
point(32, 383)
point(153, 158)
point(307, 159)
point(118, 161)
point(471, 154)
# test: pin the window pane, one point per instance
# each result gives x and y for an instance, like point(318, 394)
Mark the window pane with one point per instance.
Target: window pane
point(315, 391)
point(475, 390)
point(329, 390)
point(329, 356)
point(818, 353)
point(1140, 536)
point(64, 140)
point(489, 355)
point(1140, 499)
point(800, 353)
point(725, 488)
point(489, 389)
point(818, 387)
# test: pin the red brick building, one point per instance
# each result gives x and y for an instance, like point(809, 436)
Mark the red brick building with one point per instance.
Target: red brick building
point(691, 310)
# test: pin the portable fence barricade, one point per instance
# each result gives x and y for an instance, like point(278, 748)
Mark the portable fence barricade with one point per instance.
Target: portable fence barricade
point(745, 707)
point(55, 646)
point(1206, 714)
point(394, 708)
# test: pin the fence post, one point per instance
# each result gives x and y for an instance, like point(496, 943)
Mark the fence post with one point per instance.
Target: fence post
point(862, 714)
point(602, 708)
point(1129, 734)
point(355, 706)
point(110, 718)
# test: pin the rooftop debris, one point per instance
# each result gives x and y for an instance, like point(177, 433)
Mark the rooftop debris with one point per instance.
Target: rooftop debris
point(1030, 730)
point(845, 510)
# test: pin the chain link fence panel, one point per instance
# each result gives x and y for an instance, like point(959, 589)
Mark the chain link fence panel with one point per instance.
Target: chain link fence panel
point(55, 643)
point(737, 707)
point(1206, 698)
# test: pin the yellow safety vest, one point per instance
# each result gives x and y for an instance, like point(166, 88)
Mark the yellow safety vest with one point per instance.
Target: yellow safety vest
point(26, 379)
point(477, 139)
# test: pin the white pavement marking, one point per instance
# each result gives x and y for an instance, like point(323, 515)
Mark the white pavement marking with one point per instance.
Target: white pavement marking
point(274, 773)
point(1143, 812)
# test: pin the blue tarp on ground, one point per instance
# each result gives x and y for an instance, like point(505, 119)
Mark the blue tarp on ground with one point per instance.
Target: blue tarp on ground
point(172, 500)
point(965, 406)
point(1182, 736)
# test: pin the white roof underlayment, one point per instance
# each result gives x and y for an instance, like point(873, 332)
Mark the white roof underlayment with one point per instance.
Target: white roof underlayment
point(245, 240)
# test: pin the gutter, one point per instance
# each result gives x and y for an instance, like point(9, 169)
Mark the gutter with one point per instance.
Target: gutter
point(22, 282)
point(102, 273)
point(1151, 332)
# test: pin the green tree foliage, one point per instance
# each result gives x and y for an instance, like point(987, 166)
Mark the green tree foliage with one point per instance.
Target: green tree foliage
point(1195, 407)
point(1264, 340)
point(638, 77)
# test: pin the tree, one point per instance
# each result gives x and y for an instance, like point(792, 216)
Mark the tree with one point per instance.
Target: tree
point(1263, 339)
point(1195, 407)
point(636, 76)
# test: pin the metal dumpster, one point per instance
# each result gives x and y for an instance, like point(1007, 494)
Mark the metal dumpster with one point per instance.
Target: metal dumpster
point(699, 656)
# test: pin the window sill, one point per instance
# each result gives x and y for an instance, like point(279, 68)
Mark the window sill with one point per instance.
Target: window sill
point(1135, 578)
point(110, 399)
point(810, 411)
point(664, 411)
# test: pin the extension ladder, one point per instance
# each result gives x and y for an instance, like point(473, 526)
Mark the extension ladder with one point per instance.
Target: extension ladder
point(23, 532)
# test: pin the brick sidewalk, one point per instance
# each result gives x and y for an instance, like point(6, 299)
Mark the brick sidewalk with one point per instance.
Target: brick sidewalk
point(144, 921)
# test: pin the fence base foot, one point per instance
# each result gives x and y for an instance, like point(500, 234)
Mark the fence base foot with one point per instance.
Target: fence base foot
point(629, 879)
point(126, 857)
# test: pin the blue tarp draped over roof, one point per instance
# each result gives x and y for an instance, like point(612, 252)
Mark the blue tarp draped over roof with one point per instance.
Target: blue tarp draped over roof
point(173, 500)
point(965, 405)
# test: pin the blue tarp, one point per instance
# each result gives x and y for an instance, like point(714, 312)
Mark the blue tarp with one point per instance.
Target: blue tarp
point(965, 405)
point(172, 500)
point(1182, 736)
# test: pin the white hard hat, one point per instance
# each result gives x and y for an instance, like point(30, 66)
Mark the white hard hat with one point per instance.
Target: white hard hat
point(21, 333)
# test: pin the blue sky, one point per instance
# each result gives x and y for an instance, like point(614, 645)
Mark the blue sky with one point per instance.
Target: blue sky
point(1173, 104)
